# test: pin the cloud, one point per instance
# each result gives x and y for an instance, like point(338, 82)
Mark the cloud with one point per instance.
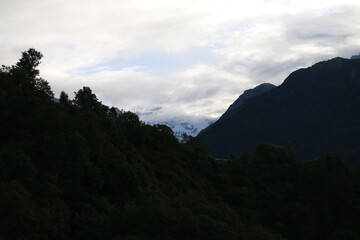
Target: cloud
point(176, 58)
point(269, 50)
point(194, 91)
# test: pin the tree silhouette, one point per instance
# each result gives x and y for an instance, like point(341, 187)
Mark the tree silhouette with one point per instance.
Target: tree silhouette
point(29, 61)
point(64, 98)
point(84, 98)
point(86, 171)
point(27, 65)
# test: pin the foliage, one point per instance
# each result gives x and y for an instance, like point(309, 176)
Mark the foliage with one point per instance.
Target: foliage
point(81, 171)
point(64, 98)
point(29, 61)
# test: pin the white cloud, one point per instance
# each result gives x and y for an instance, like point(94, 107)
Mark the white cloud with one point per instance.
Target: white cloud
point(102, 44)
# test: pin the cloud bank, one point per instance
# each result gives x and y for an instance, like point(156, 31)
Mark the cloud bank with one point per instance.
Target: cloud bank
point(168, 59)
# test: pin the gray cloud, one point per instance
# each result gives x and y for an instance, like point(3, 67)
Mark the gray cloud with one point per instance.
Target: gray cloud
point(86, 44)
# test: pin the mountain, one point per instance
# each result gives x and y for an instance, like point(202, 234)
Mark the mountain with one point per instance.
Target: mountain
point(180, 125)
point(250, 93)
point(190, 127)
point(79, 169)
point(193, 126)
point(316, 109)
point(355, 57)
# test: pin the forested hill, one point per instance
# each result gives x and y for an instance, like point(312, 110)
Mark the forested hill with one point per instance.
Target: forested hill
point(316, 109)
point(79, 170)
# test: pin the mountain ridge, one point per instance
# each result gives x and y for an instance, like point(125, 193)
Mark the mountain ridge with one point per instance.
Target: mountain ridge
point(314, 107)
point(193, 127)
point(246, 95)
point(79, 169)
point(249, 93)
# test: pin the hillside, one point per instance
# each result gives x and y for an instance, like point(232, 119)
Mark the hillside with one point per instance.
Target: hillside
point(250, 93)
point(315, 109)
point(78, 170)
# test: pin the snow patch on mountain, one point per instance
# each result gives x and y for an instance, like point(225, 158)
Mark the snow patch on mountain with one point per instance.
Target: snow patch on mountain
point(180, 124)
point(187, 126)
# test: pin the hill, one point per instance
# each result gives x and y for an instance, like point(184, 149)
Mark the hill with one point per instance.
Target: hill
point(315, 109)
point(78, 169)
point(250, 93)
point(193, 126)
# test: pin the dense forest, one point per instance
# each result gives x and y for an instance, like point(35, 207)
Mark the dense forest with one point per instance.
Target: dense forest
point(78, 169)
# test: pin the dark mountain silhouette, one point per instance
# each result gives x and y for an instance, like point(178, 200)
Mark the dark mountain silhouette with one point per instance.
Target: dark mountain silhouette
point(355, 57)
point(316, 109)
point(78, 169)
point(250, 93)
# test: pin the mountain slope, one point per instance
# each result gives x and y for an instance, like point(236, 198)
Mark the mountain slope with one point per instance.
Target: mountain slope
point(250, 93)
point(194, 126)
point(316, 109)
point(78, 170)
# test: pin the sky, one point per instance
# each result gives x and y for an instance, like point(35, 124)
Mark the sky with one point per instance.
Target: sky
point(175, 59)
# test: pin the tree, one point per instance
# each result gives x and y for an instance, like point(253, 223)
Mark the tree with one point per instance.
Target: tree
point(64, 98)
point(130, 117)
point(84, 98)
point(29, 74)
point(41, 85)
point(29, 61)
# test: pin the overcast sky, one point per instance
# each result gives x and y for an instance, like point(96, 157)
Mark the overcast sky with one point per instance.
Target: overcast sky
point(175, 58)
